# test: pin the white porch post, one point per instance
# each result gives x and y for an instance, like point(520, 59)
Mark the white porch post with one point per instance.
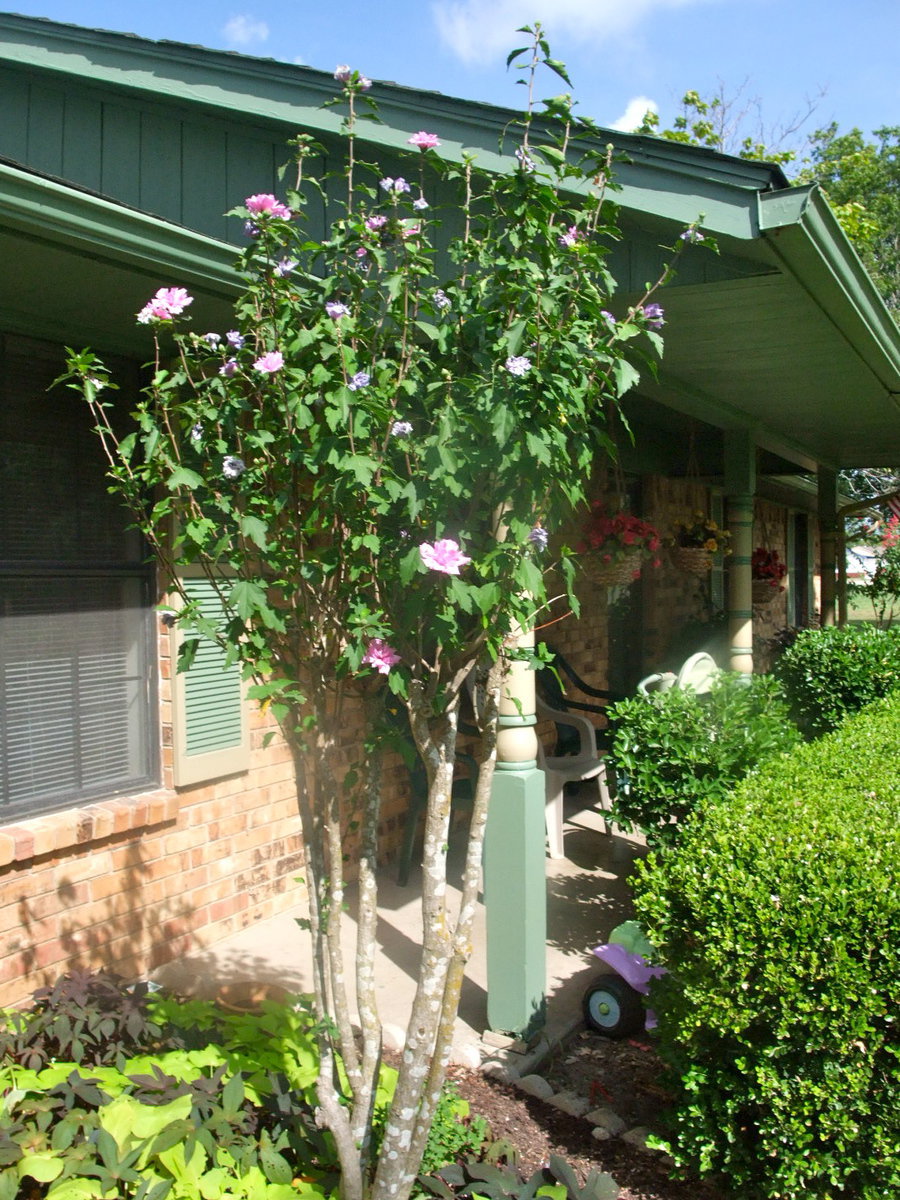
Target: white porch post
point(740, 488)
point(827, 480)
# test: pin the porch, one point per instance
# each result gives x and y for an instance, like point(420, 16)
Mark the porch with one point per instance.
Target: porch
point(587, 896)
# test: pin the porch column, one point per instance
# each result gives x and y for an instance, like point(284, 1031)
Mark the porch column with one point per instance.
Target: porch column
point(515, 888)
point(740, 488)
point(827, 480)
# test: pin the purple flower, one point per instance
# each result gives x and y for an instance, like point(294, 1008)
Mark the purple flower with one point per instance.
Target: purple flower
point(420, 204)
point(381, 656)
point(516, 364)
point(251, 229)
point(394, 187)
point(692, 235)
point(377, 222)
point(609, 319)
point(360, 252)
point(336, 310)
point(269, 363)
point(265, 205)
point(571, 237)
point(653, 315)
point(364, 83)
point(401, 429)
point(197, 431)
point(235, 339)
point(539, 537)
point(285, 266)
point(360, 380)
point(526, 162)
point(233, 467)
point(444, 556)
point(212, 339)
point(229, 368)
point(342, 73)
point(441, 299)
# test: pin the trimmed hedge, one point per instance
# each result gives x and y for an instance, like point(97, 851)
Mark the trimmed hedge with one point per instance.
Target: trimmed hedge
point(778, 917)
point(829, 673)
point(676, 751)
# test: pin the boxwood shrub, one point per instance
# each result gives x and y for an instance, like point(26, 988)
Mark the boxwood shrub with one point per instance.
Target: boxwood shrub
point(829, 673)
point(778, 916)
point(676, 750)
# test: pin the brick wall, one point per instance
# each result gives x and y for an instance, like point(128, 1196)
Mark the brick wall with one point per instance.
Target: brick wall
point(131, 882)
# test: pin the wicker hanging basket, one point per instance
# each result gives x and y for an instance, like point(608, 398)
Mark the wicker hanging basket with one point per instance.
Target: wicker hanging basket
point(693, 559)
point(618, 573)
point(763, 593)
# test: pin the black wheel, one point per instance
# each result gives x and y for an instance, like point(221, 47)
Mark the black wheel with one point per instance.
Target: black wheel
point(612, 1007)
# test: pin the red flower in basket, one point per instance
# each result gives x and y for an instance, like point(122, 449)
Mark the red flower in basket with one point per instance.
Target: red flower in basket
point(616, 536)
point(767, 567)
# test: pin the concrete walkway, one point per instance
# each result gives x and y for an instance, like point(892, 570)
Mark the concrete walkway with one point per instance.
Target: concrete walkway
point(586, 897)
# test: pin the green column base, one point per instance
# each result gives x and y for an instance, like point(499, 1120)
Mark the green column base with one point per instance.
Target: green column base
point(515, 900)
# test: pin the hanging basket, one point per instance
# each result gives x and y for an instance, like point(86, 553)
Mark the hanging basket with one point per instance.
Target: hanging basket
point(693, 559)
point(619, 573)
point(763, 593)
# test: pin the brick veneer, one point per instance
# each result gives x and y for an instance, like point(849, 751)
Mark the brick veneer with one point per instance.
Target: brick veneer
point(131, 882)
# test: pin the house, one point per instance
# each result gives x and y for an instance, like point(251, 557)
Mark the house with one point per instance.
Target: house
point(139, 812)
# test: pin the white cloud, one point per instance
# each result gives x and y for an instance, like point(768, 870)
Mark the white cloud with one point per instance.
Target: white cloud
point(634, 113)
point(479, 31)
point(245, 31)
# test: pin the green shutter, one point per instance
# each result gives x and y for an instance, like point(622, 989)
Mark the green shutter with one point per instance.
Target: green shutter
point(209, 715)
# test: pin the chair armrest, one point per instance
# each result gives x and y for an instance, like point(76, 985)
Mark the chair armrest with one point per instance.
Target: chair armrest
point(586, 731)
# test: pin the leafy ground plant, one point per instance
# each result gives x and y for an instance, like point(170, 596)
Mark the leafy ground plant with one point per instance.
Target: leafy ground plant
point(213, 1104)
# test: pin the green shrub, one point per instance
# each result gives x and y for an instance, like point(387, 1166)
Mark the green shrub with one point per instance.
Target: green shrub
point(677, 751)
point(829, 673)
point(778, 917)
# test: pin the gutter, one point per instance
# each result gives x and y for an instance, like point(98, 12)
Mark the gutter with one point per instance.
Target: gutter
point(807, 239)
point(49, 211)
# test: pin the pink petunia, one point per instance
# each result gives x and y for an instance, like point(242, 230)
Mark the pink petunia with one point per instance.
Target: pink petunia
point(269, 363)
point(443, 555)
point(380, 655)
point(423, 140)
point(265, 205)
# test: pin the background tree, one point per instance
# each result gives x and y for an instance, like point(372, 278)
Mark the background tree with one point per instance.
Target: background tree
point(367, 468)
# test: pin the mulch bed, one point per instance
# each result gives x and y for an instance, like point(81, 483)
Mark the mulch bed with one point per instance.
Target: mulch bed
point(623, 1075)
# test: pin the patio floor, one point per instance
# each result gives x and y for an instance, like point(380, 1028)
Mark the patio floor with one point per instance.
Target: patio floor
point(587, 896)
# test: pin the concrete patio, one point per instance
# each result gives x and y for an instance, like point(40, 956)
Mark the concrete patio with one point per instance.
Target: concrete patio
point(587, 895)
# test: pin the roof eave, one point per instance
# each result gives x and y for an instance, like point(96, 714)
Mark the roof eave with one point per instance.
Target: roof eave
point(807, 238)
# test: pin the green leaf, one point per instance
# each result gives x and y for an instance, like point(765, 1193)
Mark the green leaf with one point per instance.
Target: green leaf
point(503, 422)
point(43, 1167)
point(559, 67)
point(254, 530)
point(184, 477)
point(247, 598)
point(431, 331)
point(625, 375)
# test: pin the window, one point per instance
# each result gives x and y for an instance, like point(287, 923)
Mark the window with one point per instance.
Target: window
point(77, 695)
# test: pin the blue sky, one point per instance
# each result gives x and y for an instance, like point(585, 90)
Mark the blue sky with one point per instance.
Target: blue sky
point(773, 55)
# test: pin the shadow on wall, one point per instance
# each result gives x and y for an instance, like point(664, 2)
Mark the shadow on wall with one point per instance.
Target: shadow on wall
point(96, 914)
